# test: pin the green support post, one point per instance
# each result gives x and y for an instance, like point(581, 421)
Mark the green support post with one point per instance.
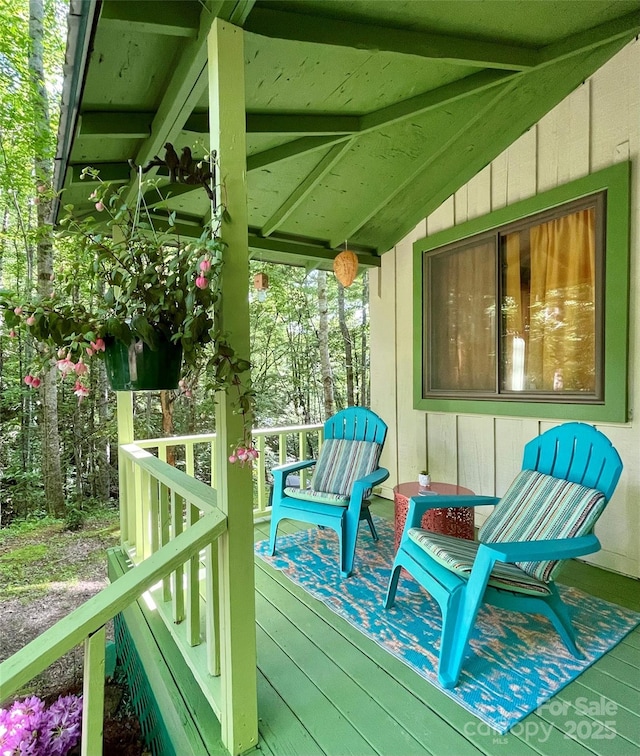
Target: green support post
point(238, 658)
point(125, 436)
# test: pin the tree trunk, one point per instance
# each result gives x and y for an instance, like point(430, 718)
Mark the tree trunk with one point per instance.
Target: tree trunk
point(323, 343)
point(348, 348)
point(51, 468)
point(166, 403)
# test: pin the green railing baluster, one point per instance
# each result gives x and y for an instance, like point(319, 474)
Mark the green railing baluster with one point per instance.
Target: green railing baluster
point(212, 608)
point(155, 514)
point(189, 461)
point(165, 534)
point(193, 584)
point(93, 694)
point(177, 515)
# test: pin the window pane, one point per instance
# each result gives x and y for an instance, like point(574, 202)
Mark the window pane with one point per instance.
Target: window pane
point(461, 288)
point(549, 306)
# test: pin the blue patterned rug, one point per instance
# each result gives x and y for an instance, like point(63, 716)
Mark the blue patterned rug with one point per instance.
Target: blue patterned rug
point(516, 661)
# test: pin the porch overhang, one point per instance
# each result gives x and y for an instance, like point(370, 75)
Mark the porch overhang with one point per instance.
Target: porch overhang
point(361, 117)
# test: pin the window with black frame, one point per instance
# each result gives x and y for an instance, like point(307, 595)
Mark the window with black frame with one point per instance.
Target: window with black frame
point(517, 312)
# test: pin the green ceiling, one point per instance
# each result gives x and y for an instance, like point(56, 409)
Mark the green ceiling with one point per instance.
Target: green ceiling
point(362, 116)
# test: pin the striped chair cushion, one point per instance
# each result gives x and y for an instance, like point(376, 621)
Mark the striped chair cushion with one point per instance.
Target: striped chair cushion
point(321, 497)
point(458, 554)
point(342, 462)
point(539, 507)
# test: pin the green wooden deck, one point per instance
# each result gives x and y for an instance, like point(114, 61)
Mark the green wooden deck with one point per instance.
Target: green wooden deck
point(323, 688)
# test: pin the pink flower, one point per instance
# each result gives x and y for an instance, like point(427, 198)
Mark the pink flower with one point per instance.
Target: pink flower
point(35, 382)
point(98, 345)
point(94, 194)
point(81, 368)
point(201, 282)
point(31, 320)
point(12, 334)
point(42, 188)
point(66, 365)
point(205, 265)
point(80, 391)
point(18, 310)
point(99, 206)
point(90, 352)
point(233, 458)
point(28, 379)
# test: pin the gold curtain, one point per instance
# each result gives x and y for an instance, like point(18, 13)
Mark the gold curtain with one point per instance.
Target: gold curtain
point(462, 314)
point(561, 343)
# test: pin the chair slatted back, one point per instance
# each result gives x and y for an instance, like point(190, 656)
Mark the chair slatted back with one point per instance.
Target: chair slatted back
point(356, 424)
point(577, 452)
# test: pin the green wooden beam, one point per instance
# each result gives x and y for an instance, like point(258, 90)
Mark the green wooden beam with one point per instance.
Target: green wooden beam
point(434, 98)
point(514, 111)
point(624, 27)
point(337, 32)
point(304, 189)
point(115, 125)
point(170, 17)
point(290, 150)
point(118, 173)
point(305, 252)
point(160, 194)
point(400, 111)
point(300, 123)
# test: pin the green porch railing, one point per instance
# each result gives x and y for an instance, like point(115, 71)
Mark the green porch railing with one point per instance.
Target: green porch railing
point(276, 446)
point(86, 624)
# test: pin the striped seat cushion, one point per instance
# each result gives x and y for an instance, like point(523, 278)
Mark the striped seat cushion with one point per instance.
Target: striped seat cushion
point(539, 507)
point(342, 462)
point(458, 555)
point(320, 497)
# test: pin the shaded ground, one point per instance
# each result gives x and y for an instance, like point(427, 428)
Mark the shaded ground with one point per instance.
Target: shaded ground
point(45, 573)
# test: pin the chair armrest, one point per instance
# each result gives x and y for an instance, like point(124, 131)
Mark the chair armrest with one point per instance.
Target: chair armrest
point(537, 551)
point(418, 505)
point(280, 473)
point(369, 481)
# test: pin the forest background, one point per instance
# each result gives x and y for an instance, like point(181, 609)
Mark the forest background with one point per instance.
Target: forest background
point(309, 334)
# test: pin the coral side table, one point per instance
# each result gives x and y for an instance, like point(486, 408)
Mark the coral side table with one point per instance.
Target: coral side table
point(456, 521)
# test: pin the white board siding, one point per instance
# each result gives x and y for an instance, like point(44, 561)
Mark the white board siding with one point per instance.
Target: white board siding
point(596, 126)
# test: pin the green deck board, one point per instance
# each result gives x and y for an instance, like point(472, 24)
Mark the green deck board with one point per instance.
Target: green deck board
point(397, 703)
point(281, 732)
point(326, 724)
point(441, 719)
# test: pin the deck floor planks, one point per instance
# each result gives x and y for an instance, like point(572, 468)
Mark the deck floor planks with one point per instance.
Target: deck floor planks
point(540, 733)
point(392, 703)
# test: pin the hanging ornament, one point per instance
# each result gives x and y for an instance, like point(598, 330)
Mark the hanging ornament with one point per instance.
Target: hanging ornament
point(345, 266)
point(261, 284)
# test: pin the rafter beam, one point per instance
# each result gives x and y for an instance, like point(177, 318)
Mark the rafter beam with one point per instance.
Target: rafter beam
point(310, 250)
point(409, 108)
point(304, 189)
point(337, 32)
point(115, 125)
point(299, 123)
point(171, 18)
point(290, 150)
point(625, 26)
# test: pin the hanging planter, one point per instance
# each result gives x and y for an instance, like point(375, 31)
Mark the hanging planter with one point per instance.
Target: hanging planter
point(137, 367)
point(345, 266)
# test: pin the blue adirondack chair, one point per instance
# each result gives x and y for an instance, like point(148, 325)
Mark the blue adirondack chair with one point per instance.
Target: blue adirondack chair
point(345, 472)
point(568, 475)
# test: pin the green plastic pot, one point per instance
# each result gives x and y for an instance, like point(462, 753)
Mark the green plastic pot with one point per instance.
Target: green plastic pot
point(136, 367)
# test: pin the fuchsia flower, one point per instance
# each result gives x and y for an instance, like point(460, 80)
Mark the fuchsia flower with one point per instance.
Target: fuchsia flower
point(80, 391)
point(98, 345)
point(94, 194)
point(99, 206)
point(66, 365)
point(205, 265)
point(81, 368)
point(243, 455)
point(30, 320)
point(18, 310)
point(12, 334)
point(201, 282)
